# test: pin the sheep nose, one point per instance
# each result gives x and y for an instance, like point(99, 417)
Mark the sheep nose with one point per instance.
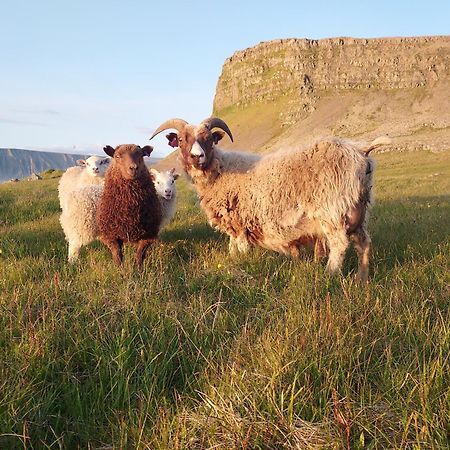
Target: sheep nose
point(168, 191)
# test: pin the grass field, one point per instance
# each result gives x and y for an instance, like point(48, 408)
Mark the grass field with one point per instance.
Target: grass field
point(199, 351)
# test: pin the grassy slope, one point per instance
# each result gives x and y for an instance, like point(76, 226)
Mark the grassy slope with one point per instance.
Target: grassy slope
point(199, 351)
point(413, 117)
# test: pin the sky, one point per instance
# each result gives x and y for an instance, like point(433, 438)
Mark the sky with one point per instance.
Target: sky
point(77, 75)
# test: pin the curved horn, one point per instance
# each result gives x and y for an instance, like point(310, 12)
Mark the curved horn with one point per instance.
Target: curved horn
point(177, 124)
point(215, 122)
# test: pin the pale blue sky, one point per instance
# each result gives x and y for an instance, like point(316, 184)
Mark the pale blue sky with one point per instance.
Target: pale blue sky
point(81, 74)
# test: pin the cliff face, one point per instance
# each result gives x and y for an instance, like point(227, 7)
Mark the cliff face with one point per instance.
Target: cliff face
point(16, 163)
point(351, 86)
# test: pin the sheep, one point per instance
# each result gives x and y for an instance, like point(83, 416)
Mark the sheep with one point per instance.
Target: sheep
point(89, 171)
point(282, 200)
point(165, 189)
point(78, 219)
point(128, 210)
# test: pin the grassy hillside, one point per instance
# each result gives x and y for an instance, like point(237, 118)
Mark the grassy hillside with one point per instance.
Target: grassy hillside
point(198, 351)
point(415, 118)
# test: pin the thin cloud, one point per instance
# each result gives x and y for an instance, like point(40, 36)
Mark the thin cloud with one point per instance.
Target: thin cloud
point(46, 112)
point(9, 121)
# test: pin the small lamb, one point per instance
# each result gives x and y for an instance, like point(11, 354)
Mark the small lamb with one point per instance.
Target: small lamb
point(89, 171)
point(165, 188)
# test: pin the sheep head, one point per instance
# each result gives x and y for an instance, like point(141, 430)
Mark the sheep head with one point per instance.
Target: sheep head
point(164, 182)
point(128, 159)
point(196, 143)
point(95, 165)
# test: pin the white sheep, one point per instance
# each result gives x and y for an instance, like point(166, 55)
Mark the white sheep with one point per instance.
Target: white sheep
point(165, 188)
point(283, 200)
point(78, 218)
point(88, 172)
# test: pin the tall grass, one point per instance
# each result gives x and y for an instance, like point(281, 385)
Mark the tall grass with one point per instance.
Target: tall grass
point(198, 350)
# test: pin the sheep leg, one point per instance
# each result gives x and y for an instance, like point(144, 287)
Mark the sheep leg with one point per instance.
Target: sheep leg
point(362, 242)
point(337, 244)
point(115, 246)
point(320, 250)
point(238, 245)
point(142, 247)
point(232, 247)
point(74, 250)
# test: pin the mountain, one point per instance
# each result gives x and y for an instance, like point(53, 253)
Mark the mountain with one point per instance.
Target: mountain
point(291, 91)
point(16, 163)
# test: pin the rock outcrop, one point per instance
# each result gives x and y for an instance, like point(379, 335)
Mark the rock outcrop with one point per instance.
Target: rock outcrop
point(346, 86)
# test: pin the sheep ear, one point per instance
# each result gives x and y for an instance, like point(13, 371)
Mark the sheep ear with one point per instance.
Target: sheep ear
point(176, 176)
point(81, 162)
point(109, 150)
point(152, 174)
point(217, 136)
point(147, 150)
point(173, 139)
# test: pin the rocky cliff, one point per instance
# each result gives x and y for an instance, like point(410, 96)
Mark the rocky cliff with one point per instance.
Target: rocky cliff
point(288, 90)
point(17, 163)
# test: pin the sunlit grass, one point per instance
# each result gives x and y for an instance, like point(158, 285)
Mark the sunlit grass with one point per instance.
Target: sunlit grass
point(197, 350)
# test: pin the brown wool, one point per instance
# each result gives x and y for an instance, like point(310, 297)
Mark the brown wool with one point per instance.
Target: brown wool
point(129, 209)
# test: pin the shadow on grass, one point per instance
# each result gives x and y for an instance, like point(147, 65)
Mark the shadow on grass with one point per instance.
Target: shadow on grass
point(195, 232)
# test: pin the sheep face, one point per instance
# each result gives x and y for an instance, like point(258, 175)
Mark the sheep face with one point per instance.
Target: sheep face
point(196, 143)
point(129, 159)
point(95, 165)
point(164, 182)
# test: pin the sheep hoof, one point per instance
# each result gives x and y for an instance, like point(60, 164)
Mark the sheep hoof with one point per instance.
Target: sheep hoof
point(362, 278)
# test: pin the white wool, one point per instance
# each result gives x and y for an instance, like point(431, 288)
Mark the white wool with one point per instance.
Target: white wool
point(78, 218)
point(88, 172)
point(165, 188)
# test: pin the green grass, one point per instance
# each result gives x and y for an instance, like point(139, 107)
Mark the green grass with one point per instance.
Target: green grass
point(199, 351)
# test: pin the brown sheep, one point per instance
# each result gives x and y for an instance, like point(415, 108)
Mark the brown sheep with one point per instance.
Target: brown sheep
point(129, 209)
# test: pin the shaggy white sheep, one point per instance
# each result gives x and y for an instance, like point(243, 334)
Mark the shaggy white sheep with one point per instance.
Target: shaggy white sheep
point(78, 218)
point(89, 171)
point(283, 200)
